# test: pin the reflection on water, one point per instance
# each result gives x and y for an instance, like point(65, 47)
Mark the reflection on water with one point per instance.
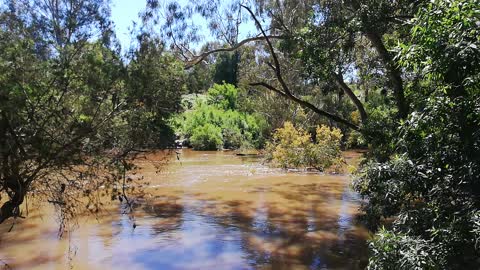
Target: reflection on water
point(209, 210)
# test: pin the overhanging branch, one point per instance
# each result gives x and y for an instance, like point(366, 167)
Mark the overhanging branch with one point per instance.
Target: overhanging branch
point(361, 109)
point(286, 91)
point(308, 105)
point(197, 59)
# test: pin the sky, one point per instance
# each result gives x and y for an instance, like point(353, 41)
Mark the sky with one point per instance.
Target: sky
point(124, 12)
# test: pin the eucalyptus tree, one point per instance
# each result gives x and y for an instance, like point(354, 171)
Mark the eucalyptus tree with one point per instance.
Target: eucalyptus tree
point(423, 56)
point(69, 106)
point(60, 79)
point(156, 82)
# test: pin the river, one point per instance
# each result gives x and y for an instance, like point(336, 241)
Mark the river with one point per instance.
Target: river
point(206, 210)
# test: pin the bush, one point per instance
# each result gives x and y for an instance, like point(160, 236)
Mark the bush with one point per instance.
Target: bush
point(207, 137)
point(294, 148)
point(237, 129)
point(287, 149)
point(223, 96)
point(432, 188)
point(326, 151)
point(426, 175)
point(401, 252)
point(355, 140)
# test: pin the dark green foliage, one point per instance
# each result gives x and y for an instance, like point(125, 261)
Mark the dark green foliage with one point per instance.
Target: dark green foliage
point(155, 86)
point(226, 68)
point(70, 111)
point(394, 251)
point(432, 187)
point(58, 85)
point(429, 183)
point(381, 131)
point(199, 78)
point(446, 43)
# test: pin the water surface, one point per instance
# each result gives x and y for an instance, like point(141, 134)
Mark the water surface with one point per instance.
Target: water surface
point(208, 210)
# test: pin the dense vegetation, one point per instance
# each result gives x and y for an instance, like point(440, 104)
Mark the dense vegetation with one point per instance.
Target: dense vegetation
point(213, 121)
point(401, 77)
point(398, 77)
point(430, 183)
point(72, 111)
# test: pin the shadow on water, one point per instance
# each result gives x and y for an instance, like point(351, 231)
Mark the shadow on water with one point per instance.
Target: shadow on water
point(204, 218)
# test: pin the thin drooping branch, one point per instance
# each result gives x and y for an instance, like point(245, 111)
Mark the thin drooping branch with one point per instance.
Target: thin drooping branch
point(197, 59)
point(308, 105)
point(361, 109)
point(277, 68)
point(285, 89)
point(19, 184)
point(268, 86)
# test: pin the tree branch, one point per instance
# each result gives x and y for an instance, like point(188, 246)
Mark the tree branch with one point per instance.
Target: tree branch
point(278, 71)
point(308, 105)
point(197, 59)
point(393, 72)
point(361, 109)
point(286, 91)
point(268, 86)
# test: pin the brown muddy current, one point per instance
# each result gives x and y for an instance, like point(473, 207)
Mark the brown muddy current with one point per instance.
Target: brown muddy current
point(208, 210)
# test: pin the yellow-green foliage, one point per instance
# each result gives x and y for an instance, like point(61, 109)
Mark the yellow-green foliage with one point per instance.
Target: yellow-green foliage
point(294, 148)
point(288, 146)
point(325, 152)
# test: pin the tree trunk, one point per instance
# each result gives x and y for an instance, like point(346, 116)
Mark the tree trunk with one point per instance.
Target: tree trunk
point(393, 72)
point(10, 208)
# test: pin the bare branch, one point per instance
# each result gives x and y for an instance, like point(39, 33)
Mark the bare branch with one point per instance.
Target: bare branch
point(268, 86)
point(201, 57)
point(308, 105)
point(286, 91)
point(361, 109)
point(278, 71)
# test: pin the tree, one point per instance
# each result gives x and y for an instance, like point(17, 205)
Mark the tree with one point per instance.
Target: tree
point(68, 119)
point(155, 86)
point(421, 118)
point(53, 108)
point(226, 68)
point(430, 182)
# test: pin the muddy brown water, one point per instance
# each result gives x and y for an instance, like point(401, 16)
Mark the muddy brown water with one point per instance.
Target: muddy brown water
point(208, 210)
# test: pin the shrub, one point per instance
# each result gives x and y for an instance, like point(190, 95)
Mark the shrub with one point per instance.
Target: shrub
point(432, 188)
point(426, 176)
point(326, 151)
point(237, 129)
point(397, 251)
point(223, 96)
point(294, 148)
point(287, 149)
point(206, 137)
point(355, 140)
